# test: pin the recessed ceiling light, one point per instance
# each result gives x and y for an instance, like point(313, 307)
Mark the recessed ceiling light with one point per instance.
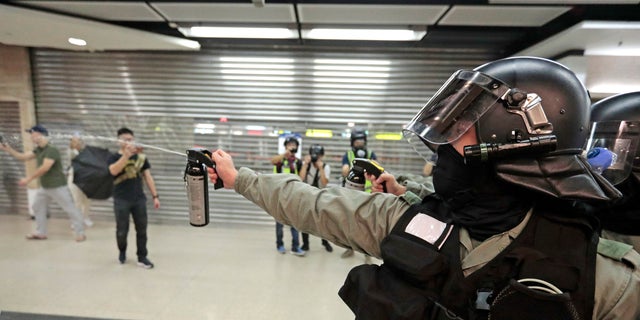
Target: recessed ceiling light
point(363, 34)
point(240, 32)
point(77, 42)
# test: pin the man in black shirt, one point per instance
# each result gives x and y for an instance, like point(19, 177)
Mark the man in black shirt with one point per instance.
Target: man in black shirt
point(128, 167)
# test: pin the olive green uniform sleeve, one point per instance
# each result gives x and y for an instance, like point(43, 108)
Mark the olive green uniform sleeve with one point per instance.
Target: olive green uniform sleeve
point(420, 186)
point(617, 294)
point(346, 217)
point(419, 189)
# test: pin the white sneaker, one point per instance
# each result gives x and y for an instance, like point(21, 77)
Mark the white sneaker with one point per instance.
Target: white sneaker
point(88, 222)
point(298, 252)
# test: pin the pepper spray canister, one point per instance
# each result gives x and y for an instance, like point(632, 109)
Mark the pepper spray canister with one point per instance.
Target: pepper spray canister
point(196, 180)
point(355, 179)
point(197, 193)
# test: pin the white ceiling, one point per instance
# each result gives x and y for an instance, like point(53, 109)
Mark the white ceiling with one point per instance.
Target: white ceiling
point(594, 38)
point(515, 16)
point(371, 14)
point(107, 10)
point(90, 20)
point(32, 28)
point(225, 12)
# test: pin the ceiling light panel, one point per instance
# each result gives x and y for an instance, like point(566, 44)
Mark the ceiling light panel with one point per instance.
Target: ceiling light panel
point(226, 12)
point(502, 16)
point(239, 32)
point(370, 14)
point(363, 34)
point(103, 10)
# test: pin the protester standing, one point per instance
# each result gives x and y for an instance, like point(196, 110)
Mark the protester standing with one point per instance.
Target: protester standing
point(130, 167)
point(54, 184)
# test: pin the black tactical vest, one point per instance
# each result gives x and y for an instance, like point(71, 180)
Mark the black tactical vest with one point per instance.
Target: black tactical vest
point(423, 279)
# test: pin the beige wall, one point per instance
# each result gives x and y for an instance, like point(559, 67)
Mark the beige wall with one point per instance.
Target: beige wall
point(609, 75)
point(15, 85)
point(605, 76)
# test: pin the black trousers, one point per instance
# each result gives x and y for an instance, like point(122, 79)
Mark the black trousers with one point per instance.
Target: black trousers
point(138, 211)
point(305, 240)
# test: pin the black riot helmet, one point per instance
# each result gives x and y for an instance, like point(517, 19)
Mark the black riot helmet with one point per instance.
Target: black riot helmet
point(358, 134)
point(520, 105)
point(562, 110)
point(614, 144)
point(531, 117)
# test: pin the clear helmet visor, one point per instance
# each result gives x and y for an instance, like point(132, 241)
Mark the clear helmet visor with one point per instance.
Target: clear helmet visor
point(455, 107)
point(611, 149)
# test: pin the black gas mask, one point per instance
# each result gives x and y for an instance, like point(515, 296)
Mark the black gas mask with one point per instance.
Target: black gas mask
point(315, 151)
point(360, 152)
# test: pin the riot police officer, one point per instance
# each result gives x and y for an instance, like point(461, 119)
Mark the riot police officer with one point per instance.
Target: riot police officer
point(614, 143)
point(505, 236)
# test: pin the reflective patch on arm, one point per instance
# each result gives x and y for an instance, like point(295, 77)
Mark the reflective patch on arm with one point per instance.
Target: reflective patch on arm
point(429, 229)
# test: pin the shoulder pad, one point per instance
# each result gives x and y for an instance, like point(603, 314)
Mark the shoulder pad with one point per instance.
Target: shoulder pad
point(618, 251)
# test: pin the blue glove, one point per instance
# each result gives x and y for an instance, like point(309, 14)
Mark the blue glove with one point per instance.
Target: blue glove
point(600, 159)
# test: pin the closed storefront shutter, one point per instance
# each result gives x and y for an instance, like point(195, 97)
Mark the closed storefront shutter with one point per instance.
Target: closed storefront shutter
point(239, 100)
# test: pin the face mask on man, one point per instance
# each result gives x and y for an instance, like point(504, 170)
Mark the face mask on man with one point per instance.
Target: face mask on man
point(360, 152)
point(478, 200)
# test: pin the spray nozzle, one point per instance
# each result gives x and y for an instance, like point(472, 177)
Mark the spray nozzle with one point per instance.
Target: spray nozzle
point(201, 156)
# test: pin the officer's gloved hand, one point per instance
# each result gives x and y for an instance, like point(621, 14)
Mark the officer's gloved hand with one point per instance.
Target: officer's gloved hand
point(389, 181)
point(225, 169)
point(600, 159)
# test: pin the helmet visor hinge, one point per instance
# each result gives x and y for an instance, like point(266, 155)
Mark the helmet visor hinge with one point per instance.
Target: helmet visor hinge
point(529, 107)
point(515, 97)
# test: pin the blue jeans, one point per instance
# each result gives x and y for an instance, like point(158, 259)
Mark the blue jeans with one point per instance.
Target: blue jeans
point(138, 211)
point(294, 237)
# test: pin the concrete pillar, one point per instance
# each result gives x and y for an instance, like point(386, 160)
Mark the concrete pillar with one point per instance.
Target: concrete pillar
point(16, 86)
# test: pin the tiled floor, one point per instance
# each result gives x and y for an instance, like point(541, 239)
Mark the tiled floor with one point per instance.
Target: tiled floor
point(216, 272)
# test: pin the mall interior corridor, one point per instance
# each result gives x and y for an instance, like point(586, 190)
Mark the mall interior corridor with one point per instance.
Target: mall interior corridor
point(217, 272)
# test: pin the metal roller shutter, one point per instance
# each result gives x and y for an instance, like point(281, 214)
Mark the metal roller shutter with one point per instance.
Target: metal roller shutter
point(13, 199)
point(239, 100)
